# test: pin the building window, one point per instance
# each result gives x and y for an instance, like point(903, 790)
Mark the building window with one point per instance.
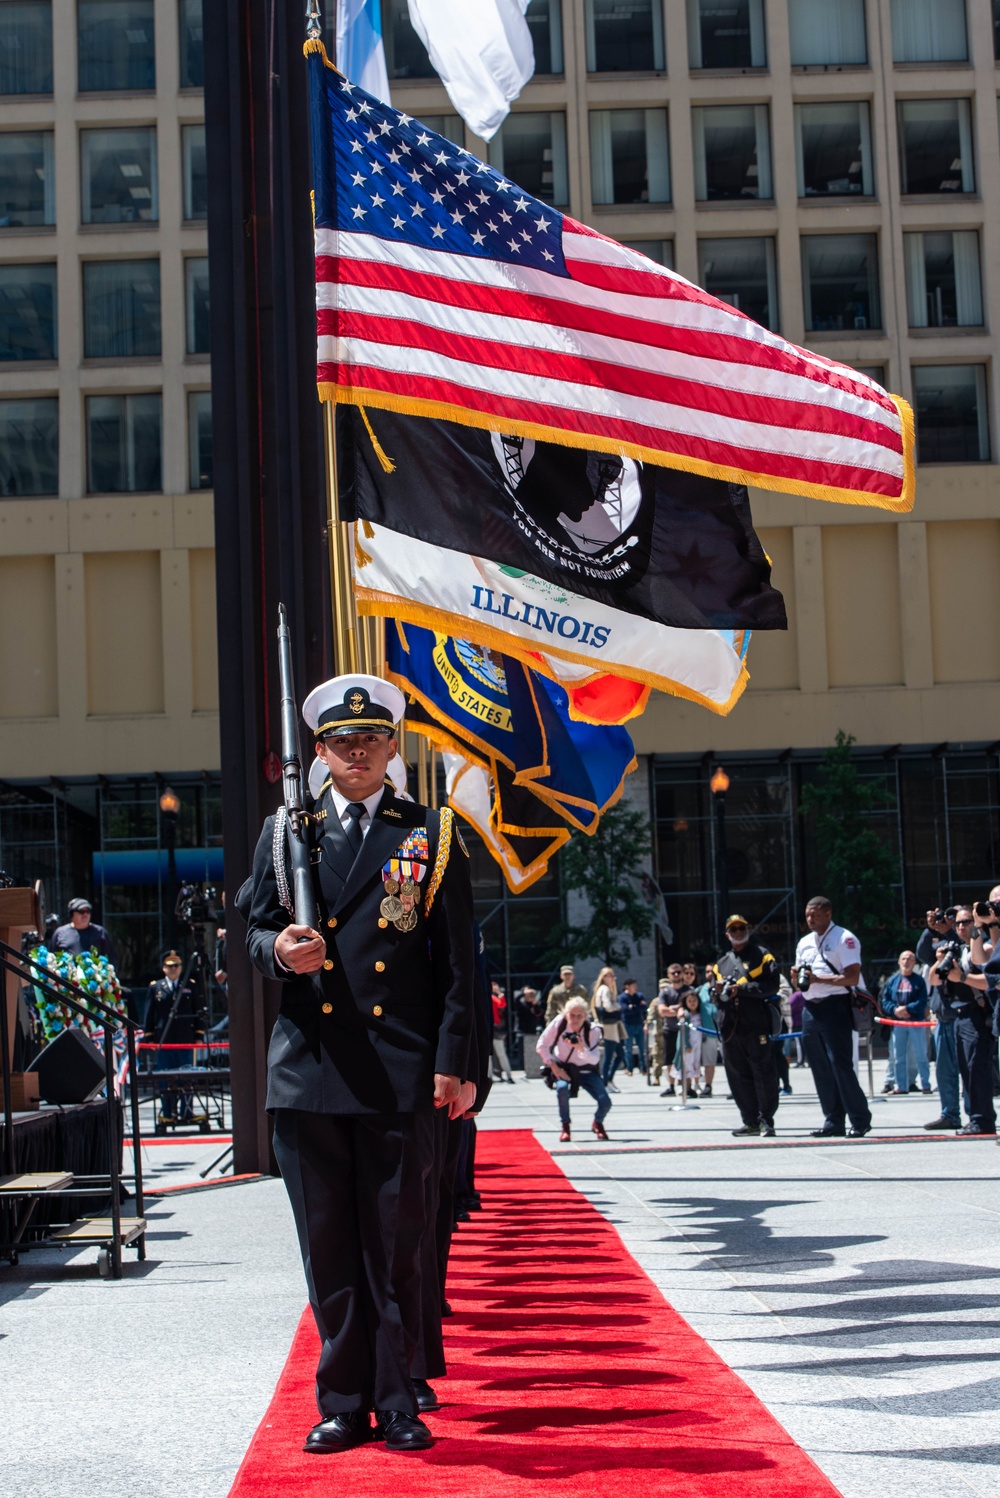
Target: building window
point(840, 282)
point(27, 312)
point(935, 146)
point(660, 250)
point(116, 45)
point(29, 448)
point(629, 156)
point(827, 33)
point(624, 36)
point(121, 309)
point(118, 177)
point(196, 303)
point(200, 439)
point(26, 47)
point(928, 31)
point(192, 42)
point(726, 34)
point(833, 150)
point(195, 173)
point(448, 125)
point(942, 279)
point(124, 439)
point(732, 157)
point(952, 419)
point(27, 179)
point(405, 54)
point(530, 149)
point(544, 18)
point(874, 372)
point(741, 272)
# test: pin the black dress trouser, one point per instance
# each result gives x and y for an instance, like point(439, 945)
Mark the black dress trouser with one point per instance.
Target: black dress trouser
point(428, 1359)
point(975, 1047)
point(356, 1188)
point(752, 1073)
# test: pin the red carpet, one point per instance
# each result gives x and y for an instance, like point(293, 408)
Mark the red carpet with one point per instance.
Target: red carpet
point(566, 1365)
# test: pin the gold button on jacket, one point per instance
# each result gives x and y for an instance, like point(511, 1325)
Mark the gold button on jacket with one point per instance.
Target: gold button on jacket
point(377, 1011)
point(327, 1008)
point(382, 923)
point(332, 921)
point(380, 967)
point(328, 964)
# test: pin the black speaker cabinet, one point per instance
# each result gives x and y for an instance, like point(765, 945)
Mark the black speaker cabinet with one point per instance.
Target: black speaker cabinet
point(70, 1069)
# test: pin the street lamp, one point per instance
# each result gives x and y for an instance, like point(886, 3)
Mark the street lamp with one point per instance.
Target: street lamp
point(170, 805)
point(719, 785)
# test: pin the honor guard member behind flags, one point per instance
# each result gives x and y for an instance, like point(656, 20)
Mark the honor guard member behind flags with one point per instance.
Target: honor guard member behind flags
point(373, 1034)
point(827, 967)
point(749, 1015)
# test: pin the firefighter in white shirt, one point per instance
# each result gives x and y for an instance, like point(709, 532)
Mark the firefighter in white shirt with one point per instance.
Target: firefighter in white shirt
point(827, 967)
point(571, 1049)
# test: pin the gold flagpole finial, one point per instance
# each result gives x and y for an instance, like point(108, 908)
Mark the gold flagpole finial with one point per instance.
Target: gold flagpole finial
point(314, 22)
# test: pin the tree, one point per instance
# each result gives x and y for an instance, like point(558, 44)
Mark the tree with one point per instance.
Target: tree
point(859, 870)
point(606, 869)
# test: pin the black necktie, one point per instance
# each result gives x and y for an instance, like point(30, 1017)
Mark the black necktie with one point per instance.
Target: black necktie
point(355, 810)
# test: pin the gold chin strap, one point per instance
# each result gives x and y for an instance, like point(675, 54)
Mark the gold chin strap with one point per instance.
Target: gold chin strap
point(356, 725)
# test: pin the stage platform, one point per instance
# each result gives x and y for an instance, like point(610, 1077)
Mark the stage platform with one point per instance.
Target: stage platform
point(71, 1137)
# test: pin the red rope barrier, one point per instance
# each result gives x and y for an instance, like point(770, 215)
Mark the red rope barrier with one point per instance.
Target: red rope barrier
point(183, 1045)
point(907, 1024)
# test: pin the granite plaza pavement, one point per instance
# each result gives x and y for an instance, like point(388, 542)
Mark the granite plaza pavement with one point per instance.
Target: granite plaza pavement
point(853, 1284)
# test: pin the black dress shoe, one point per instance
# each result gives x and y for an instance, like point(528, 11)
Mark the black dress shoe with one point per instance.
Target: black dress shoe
point(746, 1129)
point(401, 1432)
point(425, 1395)
point(446, 1309)
point(854, 1133)
point(339, 1433)
point(941, 1123)
point(829, 1134)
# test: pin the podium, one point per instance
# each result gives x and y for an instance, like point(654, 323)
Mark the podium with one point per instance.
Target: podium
point(20, 911)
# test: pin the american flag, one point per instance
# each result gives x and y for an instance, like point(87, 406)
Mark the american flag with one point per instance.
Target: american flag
point(445, 290)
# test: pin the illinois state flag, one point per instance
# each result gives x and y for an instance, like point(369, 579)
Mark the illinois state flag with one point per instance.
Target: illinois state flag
point(444, 290)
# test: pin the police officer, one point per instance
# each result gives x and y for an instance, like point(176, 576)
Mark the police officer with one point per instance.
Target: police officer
point(373, 1034)
point(963, 992)
point(748, 1015)
point(827, 967)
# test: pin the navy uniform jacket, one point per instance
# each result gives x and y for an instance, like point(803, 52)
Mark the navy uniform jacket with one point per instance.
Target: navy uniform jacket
point(755, 1007)
point(186, 1023)
point(367, 1033)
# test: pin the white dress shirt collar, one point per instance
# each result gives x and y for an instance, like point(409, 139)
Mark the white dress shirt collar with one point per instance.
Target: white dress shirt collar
point(370, 803)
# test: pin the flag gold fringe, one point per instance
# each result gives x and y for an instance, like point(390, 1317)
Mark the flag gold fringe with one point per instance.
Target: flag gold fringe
point(464, 416)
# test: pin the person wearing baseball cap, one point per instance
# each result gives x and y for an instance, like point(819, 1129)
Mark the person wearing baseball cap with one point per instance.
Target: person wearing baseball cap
point(81, 934)
point(371, 1051)
point(749, 1016)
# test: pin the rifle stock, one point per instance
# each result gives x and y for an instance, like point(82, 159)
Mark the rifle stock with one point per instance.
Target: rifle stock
point(293, 782)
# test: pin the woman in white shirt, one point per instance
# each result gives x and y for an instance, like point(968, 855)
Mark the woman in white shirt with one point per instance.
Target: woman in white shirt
point(571, 1049)
point(608, 1014)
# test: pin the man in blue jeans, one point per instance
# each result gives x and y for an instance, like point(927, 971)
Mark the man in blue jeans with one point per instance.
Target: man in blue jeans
point(571, 1048)
point(904, 998)
point(633, 1007)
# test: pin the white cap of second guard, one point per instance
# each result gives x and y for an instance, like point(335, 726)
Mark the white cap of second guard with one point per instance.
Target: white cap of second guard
point(353, 704)
point(396, 771)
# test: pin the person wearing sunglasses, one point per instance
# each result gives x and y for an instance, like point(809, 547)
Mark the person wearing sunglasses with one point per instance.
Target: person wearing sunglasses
point(746, 993)
point(962, 992)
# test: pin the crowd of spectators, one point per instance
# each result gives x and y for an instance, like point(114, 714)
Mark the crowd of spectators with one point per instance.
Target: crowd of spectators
point(938, 1008)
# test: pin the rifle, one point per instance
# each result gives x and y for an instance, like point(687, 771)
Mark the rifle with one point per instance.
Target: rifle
point(302, 897)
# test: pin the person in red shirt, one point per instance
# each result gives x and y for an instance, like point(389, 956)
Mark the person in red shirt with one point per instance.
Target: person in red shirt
point(500, 1060)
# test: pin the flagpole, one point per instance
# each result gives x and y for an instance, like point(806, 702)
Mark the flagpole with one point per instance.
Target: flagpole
point(339, 540)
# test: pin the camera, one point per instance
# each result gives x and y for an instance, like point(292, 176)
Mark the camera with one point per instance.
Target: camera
point(984, 909)
point(947, 963)
point(805, 979)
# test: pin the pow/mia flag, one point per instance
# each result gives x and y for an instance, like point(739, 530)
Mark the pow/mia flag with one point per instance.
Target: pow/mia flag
point(666, 545)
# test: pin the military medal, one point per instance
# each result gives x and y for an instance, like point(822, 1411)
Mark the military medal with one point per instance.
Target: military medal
point(401, 878)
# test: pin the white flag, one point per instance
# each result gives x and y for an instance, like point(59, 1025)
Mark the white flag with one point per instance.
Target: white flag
point(482, 53)
point(360, 53)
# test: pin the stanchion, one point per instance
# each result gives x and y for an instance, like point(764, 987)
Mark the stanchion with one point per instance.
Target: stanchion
point(871, 1069)
point(683, 1106)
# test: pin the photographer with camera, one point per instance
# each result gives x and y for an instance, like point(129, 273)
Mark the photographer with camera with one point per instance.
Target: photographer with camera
point(940, 927)
point(748, 1014)
point(961, 991)
point(570, 1049)
point(827, 969)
